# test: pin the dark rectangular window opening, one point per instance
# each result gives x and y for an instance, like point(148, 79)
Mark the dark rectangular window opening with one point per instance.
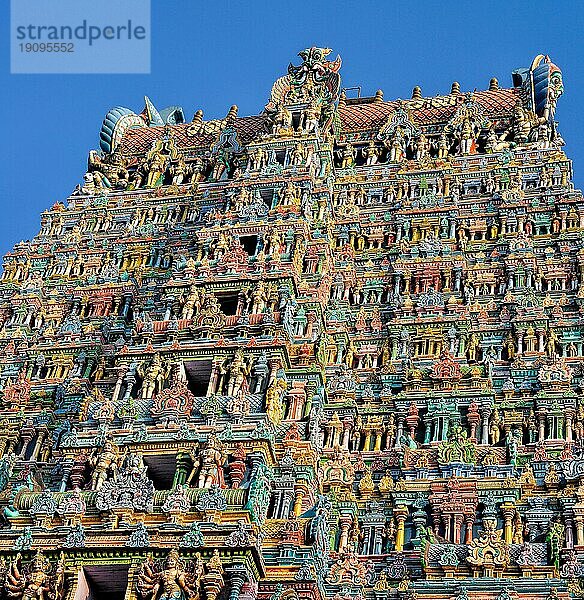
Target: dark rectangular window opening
point(267, 196)
point(104, 582)
point(250, 243)
point(228, 302)
point(161, 468)
point(296, 119)
point(198, 374)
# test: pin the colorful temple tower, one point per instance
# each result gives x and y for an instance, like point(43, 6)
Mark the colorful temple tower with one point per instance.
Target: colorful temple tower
point(334, 350)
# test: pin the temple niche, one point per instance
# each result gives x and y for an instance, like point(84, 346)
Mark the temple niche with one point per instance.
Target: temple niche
point(331, 350)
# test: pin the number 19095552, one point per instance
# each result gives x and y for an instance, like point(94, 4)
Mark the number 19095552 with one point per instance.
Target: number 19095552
point(47, 47)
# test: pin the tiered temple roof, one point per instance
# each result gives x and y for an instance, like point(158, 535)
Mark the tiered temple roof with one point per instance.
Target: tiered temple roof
point(332, 350)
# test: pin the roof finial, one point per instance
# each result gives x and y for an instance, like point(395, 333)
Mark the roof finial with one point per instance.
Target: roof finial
point(343, 98)
point(198, 117)
point(455, 89)
point(493, 84)
point(152, 114)
point(232, 114)
point(416, 93)
point(378, 96)
point(196, 123)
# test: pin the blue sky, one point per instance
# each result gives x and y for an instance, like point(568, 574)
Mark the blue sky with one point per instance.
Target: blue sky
point(211, 55)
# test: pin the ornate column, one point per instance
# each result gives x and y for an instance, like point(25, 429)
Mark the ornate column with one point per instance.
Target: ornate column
point(126, 305)
point(508, 510)
point(447, 521)
point(520, 342)
point(119, 381)
point(237, 577)
point(212, 387)
point(400, 431)
point(89, 367)
point(377, 447)
point(397, 284)
point(540, 341)
point(367, 443)
point(377, 539)
point(42, 434)
point(336, 433)
point(213, 580)
point(469, 521)
point(579, 520)
point(401, 514)
point(181, 471)
point(569, 530)
point(458, 518)
point(347, 425)
point(474, 419)
point(345, 524)
point(66, 471)
point(26, 435)
point(300, 490)
point(569, 423)
point(3, 444)
point(285, 500)
point(541, 426)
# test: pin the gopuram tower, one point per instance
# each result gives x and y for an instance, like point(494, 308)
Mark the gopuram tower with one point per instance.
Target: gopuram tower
point(330, 351)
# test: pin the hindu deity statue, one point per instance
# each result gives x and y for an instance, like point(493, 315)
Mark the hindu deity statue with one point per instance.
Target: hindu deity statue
point(171, 582)
point(298, 155)
point(422, 147)
point(312, 117)
point(156, 168)
point(259, 159)
point(35, 582)
point(443, 146)
point(209, 464)
point(371, 153)
point(282, 121)
point(397, 146)
point(105, 464)
point(274, 400)
point(234, 374)
point(192, 302)
point(348, 155)
point(179, 171)
point(522, 123)
point(467, 134)
point(153, 376)
point(289, 195)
